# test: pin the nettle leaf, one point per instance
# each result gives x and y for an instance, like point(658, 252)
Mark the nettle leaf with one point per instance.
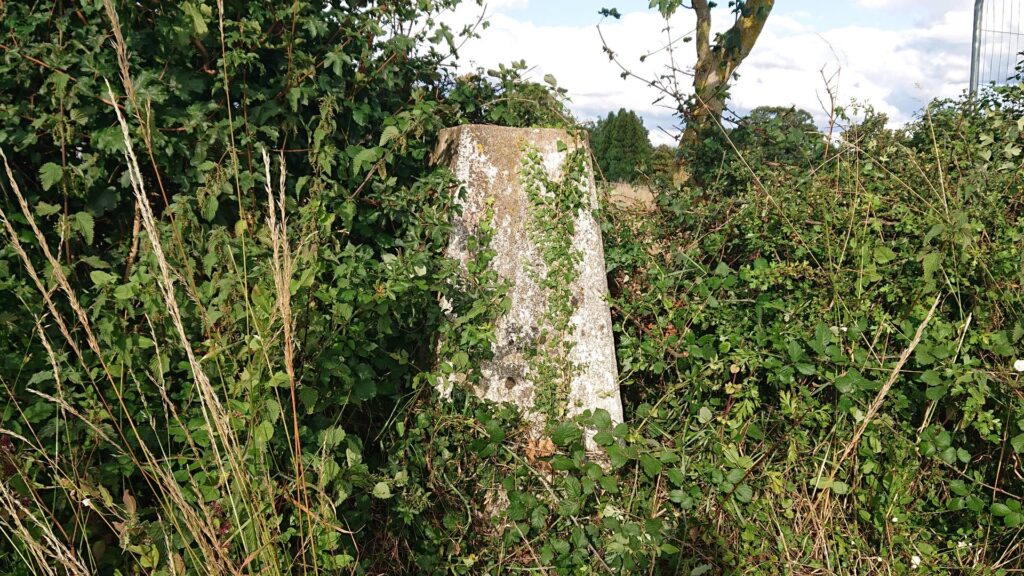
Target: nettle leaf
point(50, 174)
point(85, 225)
point(263, 432)
point(365, 158)
point(389, 134)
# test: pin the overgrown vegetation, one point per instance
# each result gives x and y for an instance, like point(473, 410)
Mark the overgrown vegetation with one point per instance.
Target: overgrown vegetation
point(220, 309)
point(777, 335)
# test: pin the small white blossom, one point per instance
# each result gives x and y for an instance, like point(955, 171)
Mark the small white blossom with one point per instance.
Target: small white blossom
point(87, 502)
point(895, 519)
point(1019, 365)
point(915, 561)
point(961, 544)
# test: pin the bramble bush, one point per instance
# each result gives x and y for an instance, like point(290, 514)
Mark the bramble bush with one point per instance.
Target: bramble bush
point(212, 347)
point(766, 332)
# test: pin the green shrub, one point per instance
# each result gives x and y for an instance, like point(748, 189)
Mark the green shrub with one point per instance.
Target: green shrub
point(207, 389)
point(760, 318)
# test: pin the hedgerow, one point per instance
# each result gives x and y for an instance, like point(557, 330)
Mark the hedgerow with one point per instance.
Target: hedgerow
point(768, 336)
point(220, 316)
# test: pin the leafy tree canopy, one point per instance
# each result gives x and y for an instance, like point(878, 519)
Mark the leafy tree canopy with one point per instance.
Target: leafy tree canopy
point(620, 146)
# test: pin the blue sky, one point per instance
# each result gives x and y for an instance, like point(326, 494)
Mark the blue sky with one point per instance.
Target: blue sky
point(895, 55)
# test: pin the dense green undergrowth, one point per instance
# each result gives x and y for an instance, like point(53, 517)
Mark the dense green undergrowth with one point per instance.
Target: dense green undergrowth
point(763, 322)
point(219, 361)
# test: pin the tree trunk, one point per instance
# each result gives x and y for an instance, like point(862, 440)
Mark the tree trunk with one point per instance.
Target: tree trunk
point(716, 64)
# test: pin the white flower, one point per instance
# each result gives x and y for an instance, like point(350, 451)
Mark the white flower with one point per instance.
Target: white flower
point(961, 544)
point(895, 519)
point(86, 502)
point(915, 561)
point(1019, 365)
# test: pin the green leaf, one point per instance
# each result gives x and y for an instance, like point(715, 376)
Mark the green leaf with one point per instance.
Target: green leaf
point(565, 434)
point(601, 419)
point(1018, 443)
point(849, 383)
point(263, 432)
point(209, 209)
point(617, 456)
point(353, 457)
point(382, 490)
point(807, 369)
point(744, 493)
point(550, 80)
point(50, 174)
point(389, 134)
point(101, 278)
point(930, 263)
point(309, 396)
point(668, 548)
point(43, 209)
point(651, 465)
point(365, 157)
point(83, 222)
point(198, 21)
point(95, 262)
point(704, 415)
point(840, 487)
point(999, 509)
point(604, 438)
point(884, 254)
point(936, 393)
point(332, 436)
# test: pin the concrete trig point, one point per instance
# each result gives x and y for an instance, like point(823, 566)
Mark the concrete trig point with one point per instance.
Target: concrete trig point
point(493, 163)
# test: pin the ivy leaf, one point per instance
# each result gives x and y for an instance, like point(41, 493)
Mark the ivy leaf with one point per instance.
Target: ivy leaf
point(50, 174)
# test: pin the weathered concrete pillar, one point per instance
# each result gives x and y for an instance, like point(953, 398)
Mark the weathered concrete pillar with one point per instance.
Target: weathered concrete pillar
point(554, 355)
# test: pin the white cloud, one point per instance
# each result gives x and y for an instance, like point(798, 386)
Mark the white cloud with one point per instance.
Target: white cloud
point(928, 10)
point(896, 71)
